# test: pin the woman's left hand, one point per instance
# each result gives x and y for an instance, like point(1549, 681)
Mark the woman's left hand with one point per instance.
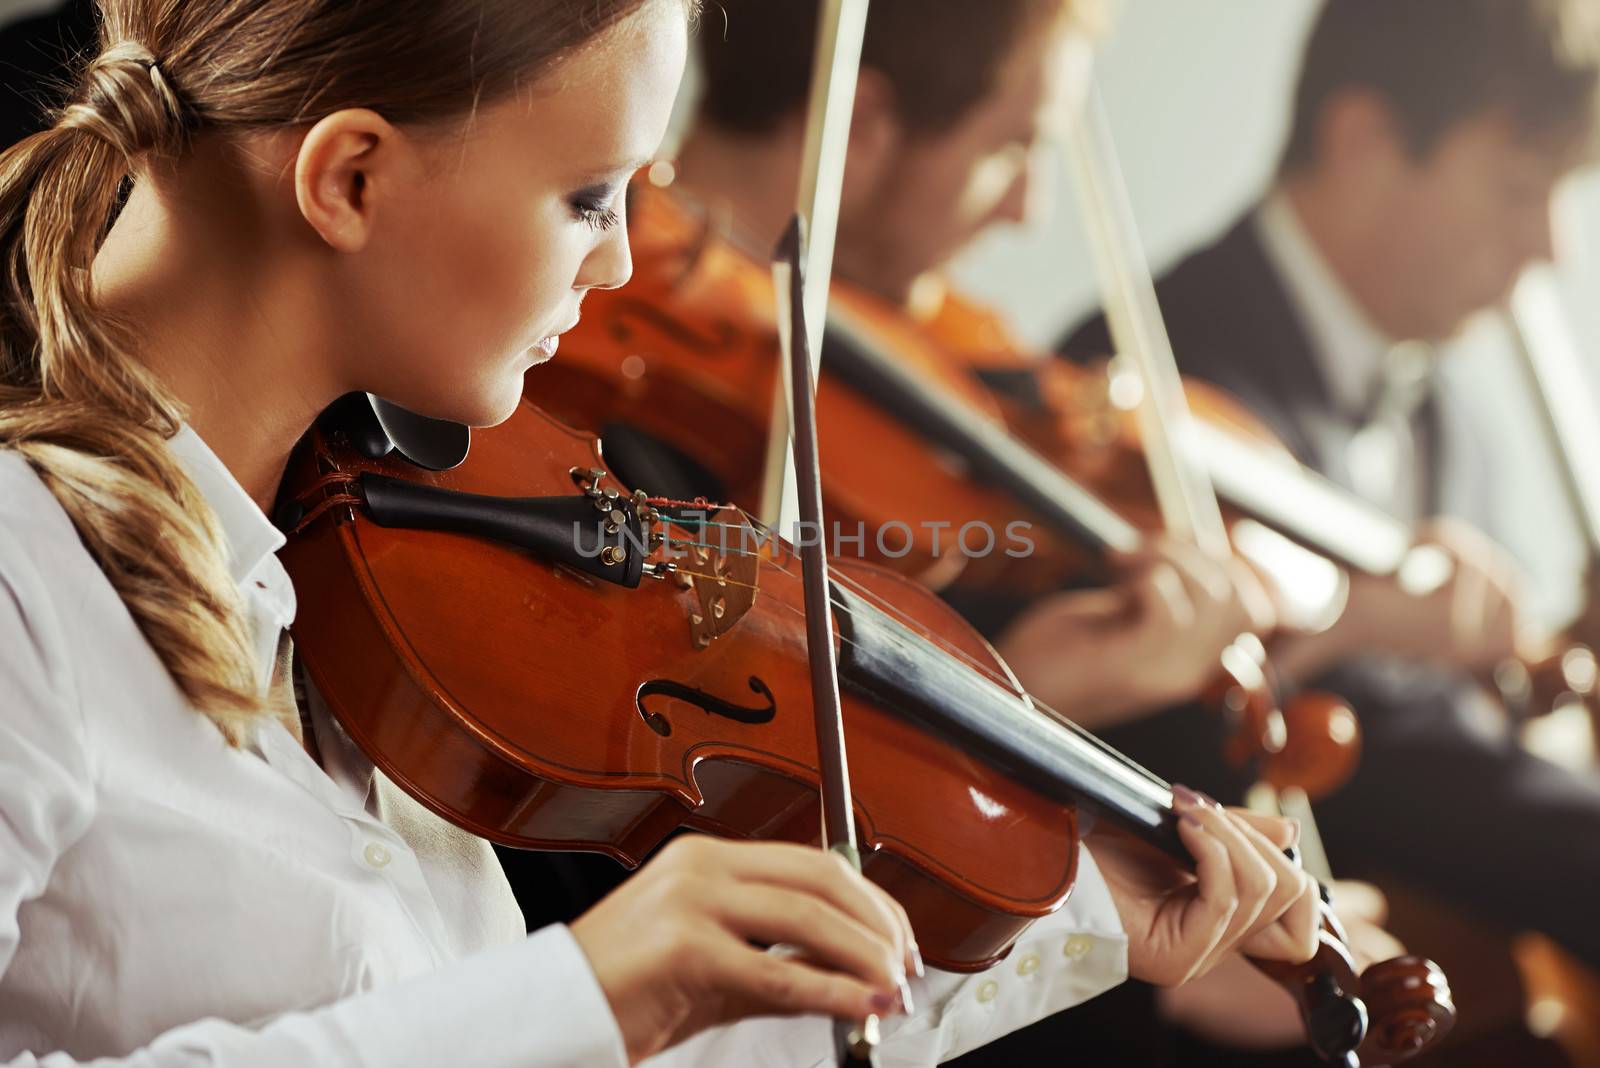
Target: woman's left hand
point(1244, 895)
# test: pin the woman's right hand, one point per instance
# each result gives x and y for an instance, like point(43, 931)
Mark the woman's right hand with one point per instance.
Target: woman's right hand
point(677, 948)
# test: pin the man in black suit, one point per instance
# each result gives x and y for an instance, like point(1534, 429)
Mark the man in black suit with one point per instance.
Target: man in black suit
point(1428, 137)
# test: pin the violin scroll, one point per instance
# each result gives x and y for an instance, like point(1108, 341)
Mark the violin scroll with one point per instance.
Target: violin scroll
point(1411, 1008)
point(1388, 1013)
point(1321, 749)
point(1312, 744)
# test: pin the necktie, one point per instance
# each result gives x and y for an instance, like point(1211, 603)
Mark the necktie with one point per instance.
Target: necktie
point(1384, 461)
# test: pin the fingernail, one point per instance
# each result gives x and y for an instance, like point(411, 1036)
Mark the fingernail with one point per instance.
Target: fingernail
point(905, 996)
point(916, 962)
point(1207, 799)
point(883, 1001)
point(1185, 796)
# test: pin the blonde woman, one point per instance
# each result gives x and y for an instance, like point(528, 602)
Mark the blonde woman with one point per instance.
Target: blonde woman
point(251, 208)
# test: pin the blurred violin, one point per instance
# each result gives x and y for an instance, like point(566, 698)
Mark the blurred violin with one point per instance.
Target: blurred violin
point(675, 371)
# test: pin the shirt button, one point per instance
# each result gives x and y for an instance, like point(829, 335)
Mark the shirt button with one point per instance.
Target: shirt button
point(1076, 946)
point(376, 854)
point(987, 990)
point(1028, 964)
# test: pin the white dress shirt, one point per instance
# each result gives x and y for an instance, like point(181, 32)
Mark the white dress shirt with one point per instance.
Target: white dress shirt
point(166, 900)
point(1376, 383)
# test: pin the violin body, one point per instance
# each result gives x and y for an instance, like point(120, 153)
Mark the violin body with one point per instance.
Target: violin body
point(539, 707)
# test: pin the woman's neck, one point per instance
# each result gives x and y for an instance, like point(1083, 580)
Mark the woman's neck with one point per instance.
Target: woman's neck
point(233, 342)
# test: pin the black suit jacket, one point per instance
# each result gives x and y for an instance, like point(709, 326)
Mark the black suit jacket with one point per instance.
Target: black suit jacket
point(1232, 323)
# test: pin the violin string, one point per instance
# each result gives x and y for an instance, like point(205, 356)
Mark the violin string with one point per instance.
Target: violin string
point(684, 521)
point(855, 587)
point(911, 638)
point(715, 578)
point(708, 545)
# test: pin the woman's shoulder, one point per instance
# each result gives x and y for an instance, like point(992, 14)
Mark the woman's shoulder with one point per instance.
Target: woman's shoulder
point(45, 574)
point(39, 548)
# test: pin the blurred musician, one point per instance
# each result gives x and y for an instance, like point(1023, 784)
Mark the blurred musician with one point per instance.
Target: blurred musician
point(1428, 138)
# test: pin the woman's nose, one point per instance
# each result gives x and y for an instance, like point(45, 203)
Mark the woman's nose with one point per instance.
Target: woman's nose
point(610, 264)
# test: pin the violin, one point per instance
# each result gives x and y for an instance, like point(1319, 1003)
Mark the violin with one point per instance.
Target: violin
point(675, 371)
point(551, 660)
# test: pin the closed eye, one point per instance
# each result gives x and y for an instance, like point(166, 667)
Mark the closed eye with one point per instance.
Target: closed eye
point(597, 218)
point(595, 206)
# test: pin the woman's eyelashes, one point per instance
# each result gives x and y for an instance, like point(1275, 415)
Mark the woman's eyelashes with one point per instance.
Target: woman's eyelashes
point(599, 218)
point(596, 208)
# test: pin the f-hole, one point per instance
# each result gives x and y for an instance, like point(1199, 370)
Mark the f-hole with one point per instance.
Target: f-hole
point(707, 703)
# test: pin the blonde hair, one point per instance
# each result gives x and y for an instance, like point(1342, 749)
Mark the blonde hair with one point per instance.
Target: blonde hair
point(75, 400)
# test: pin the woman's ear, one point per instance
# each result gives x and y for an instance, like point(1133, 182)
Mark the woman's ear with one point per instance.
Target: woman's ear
point(343, 162)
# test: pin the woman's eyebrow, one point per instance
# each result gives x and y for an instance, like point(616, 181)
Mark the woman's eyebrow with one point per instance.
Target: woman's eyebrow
point(600, 179)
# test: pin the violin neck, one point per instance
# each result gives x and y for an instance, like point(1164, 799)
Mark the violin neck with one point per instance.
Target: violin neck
point(989, 449)
point(1300, 503)
point(895, 668)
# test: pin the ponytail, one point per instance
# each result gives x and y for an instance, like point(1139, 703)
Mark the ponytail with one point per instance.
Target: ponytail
point(78, 405)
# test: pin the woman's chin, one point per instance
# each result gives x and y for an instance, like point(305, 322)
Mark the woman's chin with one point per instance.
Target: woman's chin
point(482, 410)
point(503, 405)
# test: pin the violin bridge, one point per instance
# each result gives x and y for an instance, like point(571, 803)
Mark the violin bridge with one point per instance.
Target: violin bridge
point(723, 581)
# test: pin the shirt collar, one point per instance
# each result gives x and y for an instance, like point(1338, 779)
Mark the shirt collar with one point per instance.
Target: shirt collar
point(250, 535)
point(1349, 350)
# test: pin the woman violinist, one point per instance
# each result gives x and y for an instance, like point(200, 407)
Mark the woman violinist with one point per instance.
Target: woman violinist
point(248, 210)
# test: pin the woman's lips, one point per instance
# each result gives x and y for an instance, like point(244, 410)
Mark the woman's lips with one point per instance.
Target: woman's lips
point(545, 349)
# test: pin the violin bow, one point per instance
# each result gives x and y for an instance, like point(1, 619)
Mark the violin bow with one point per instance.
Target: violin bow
point(841, 26)
point(857, 1041)
point(804, 253)
point(1184, 492)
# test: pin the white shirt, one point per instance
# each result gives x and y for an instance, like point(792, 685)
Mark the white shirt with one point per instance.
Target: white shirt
point(1375, 382)
point(166, 900)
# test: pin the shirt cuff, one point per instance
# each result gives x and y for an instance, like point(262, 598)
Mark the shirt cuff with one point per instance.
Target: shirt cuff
point(1063, 960)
